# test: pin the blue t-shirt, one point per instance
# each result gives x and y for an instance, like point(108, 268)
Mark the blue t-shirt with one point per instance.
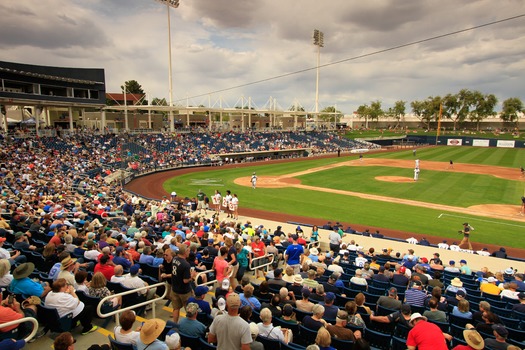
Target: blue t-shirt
point(27, 287)
point(118, 260)
point(156, 345)
point(192, 327)
point(204, 306)
point(294, 252)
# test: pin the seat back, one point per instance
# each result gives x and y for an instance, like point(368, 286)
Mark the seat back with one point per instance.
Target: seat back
point(49, 317)
point(269, 343)
point(204, 345)
point(342, 344)
point(189, 340)
point(398, 343)
point(299, 314)
point(377, 339)
point(292, 346)
point(306, 336)
point(294, 327)
point(116, 345)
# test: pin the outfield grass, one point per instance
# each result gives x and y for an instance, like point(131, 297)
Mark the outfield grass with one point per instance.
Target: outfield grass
point(438, 187)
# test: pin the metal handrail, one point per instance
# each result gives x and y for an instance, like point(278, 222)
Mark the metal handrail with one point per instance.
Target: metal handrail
point(271, 256)
point(313, 244)
point(33, 320)
point(118, 311)
point(212, 281)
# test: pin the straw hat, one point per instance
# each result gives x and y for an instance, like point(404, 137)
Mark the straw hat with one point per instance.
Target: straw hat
point(23, 270)
point(297, 279)
point(456, 282)
point(67, 262)
point(474, 339)
point(151, 330)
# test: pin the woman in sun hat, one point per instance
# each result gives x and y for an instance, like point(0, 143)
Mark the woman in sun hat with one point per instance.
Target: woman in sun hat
point(473, 339)
point(149, 333)
point(455, 285)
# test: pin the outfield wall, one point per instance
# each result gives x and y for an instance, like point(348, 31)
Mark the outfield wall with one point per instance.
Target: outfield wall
point(465, 141)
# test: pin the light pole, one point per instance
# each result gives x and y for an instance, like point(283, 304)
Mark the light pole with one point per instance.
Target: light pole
point(319, 42)
point(174, 4)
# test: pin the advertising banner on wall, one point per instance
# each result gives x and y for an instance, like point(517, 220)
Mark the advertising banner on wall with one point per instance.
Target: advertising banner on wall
point(454, 142)
point(480, 143)
point(506, 143)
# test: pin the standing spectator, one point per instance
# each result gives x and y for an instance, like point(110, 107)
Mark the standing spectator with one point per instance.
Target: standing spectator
point(335, 241)
point(244, 258)
point(292, 255)
point(180, 283)
point(258, 250)
point(229, 331)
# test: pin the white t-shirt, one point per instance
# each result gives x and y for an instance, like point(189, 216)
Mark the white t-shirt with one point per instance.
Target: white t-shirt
point(127, 338)
point(65, 303)
point(133, 283)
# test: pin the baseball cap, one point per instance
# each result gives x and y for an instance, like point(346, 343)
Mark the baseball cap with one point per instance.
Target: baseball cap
point(119, 249)
point(201, 290)
point(225, 284)
point(491, 279)
point(278, 272)
point(461, 293)
point(134, 269)
point(233, 301)
point(221, 304)
point(334, 277)
point(452, 262)
point(521, 295)
point(424, 260)
point(402, 269)
point(254, 329)
point(416, 283)
point(329, 296)
point(463, 261)
point(501, 330)
point(306, 292)
point(392, 291)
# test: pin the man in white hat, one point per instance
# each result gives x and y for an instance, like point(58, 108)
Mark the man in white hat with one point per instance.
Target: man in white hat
point(425, 335)
point(490, 287)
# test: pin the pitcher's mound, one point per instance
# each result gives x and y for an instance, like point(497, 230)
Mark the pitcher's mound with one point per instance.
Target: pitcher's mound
point(268, 181)
point(394, 179)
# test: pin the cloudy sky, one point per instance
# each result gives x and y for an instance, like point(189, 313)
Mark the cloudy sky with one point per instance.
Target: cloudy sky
point(221, 47)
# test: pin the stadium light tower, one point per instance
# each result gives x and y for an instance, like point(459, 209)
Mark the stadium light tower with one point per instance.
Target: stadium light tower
point(174, 4)
point(319, 42)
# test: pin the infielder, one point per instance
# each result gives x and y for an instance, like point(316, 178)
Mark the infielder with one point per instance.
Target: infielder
point(254, 180)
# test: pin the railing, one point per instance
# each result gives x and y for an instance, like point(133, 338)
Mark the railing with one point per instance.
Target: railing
point(316, 244)
point(271, 257)
point(144, 303)
point(212, 281)
point(22, 320)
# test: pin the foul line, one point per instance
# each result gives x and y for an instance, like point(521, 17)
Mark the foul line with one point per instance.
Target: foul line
point(471, 219)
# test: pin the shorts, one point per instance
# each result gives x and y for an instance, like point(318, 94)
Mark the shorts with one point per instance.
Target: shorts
point(201, 205)
point(180, 300)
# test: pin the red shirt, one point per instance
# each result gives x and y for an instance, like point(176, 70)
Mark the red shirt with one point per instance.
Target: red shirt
point(7, 315)
point(426, 336)
point(258, 248)
point(55, 240)
point(107, 270)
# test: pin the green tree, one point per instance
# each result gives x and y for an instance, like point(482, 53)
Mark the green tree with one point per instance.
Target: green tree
point(397, 112)
point(334, 114)
point(511, 110)
point(428, 110)
point(159, 101)
point(483, 107)
point(132, 87)
point(375, 111)
point(363, 111)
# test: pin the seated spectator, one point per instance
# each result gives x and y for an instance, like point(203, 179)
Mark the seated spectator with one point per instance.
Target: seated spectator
point(149, 333)
point(360, 302)
point(490, 287)
point(462, 309)
point(415, 295)
point(278, 278)
point(133, 281)
point(436, 281)
point(266, 328)
point(323, 339)
point(124, 333)
point(310, 281)
point(330, 285)
point(367, 272)
point(380, 275)
point(97, 288)
point(105, 266)
point(501, 253)
point(64, 341)
point(64, 299)
point(304, 304)
point(340, 331)
point(11, 310)
point(434, 314)
point(247, 298)
point(286, 297)
point(460, 295)
point(521, 306)
point(315, 321)
point(146, 257)
point(81, 281)
point(200, 293)
point(22, 284)
point(288, 314)
point(330, 310)
point(353, 317)
point(118, 276)
point(288, 274)
point(358, 278)
point(390, 301)
point(510, 290)
point(500, 341)
point(123, 258)
point(487, 321)
point(319, 293)
point(455, 285)
point(5, 273)
point(399, 317)
point(254, 331)
point(400, 277)
point(263, 292)
point(17, 257)
point(452, 267)
point(190, 325)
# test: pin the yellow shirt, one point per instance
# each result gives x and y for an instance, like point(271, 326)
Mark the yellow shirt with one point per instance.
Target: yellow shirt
point(490, 288)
